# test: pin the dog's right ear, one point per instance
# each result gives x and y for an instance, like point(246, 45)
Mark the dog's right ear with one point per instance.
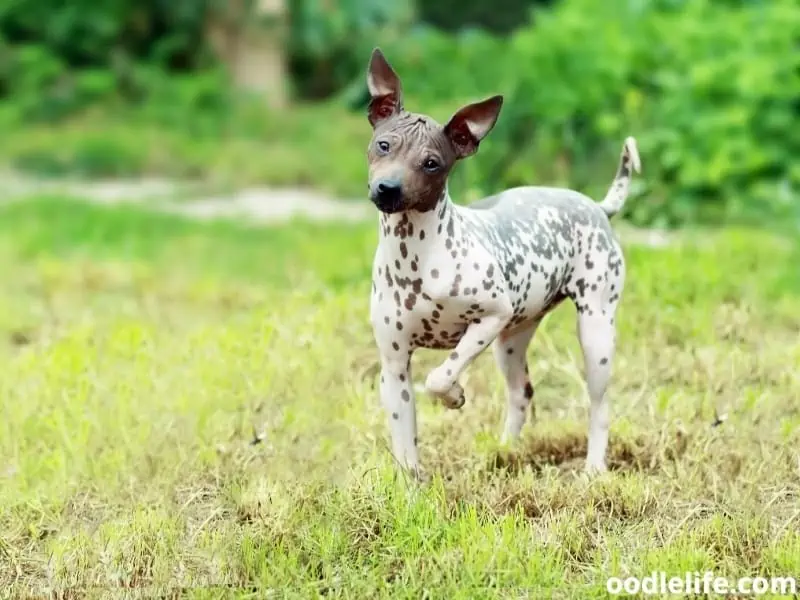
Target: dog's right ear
point(386, 94)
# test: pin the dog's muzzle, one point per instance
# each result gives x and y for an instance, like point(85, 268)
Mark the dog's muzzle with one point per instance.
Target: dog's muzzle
point(387, 195)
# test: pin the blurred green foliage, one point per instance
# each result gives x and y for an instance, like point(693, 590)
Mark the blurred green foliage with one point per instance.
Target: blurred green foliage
point(711, 90)
point(58, 58)
point(85, 33)
point(328, 39)
point(498, 16)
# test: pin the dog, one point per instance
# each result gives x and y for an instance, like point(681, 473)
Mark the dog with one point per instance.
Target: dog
point(461, 278)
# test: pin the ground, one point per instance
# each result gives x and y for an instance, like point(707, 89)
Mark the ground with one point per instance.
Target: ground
point(192, 405)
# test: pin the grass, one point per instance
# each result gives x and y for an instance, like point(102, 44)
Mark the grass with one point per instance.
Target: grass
point(191, 408)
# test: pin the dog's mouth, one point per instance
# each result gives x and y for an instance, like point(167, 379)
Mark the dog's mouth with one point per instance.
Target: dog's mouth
point(389, 206)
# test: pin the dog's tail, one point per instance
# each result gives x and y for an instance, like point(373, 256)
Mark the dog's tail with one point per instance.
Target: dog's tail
point(618, 192)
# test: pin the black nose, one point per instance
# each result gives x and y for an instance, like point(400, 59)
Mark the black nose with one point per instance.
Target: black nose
point(388, 191)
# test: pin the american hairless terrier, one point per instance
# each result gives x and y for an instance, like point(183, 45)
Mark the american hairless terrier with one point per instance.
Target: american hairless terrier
point(462, 277)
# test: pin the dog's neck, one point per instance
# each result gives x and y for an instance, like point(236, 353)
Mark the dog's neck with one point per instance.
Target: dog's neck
point(422, 228)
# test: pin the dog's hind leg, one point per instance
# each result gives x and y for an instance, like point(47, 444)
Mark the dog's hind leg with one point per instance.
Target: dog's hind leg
point(509, 353)
point(597, 334)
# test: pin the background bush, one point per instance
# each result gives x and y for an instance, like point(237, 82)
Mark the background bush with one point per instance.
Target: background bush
point(710, 89)
point(58, 57)
point(328, 40)
point(498, 16)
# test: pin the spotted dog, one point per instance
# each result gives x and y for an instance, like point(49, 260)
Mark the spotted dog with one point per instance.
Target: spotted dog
point(462, 278)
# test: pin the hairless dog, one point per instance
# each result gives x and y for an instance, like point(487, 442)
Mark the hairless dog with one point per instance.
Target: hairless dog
point(461, 278)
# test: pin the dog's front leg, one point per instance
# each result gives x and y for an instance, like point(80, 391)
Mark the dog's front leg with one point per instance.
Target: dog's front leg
point(443, 380)
point(397, 397)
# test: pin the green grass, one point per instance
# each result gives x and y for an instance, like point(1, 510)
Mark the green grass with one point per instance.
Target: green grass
point(143, 356)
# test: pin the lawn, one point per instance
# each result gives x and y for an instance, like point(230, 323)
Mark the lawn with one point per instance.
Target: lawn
point(193, 407)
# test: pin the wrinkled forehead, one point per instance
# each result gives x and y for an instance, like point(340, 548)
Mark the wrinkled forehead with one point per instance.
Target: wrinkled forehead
point(406, 121)
point(416, 130)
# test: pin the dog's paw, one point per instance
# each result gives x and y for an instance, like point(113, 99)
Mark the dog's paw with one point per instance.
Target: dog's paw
point(594, 469)
point(441, 385)
point(420, 477)
point(454, 399)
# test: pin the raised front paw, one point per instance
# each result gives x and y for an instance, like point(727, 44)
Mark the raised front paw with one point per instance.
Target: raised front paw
point(443, 387)
point(455, 398)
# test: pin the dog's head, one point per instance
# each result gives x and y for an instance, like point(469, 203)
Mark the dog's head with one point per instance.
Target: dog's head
point(411, 155)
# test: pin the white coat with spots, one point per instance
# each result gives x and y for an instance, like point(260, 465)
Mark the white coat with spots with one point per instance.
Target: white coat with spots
point(462, 278)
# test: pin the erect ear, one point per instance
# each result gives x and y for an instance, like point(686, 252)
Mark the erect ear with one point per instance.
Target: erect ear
point(386, 94)
point(471, 124)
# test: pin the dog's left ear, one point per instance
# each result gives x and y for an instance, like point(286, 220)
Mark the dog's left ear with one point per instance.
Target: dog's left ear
point(471, 124)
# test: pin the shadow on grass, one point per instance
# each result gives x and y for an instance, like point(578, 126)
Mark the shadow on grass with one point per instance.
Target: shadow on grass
point(567, 451)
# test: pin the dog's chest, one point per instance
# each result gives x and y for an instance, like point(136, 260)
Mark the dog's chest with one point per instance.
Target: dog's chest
point(428, 301)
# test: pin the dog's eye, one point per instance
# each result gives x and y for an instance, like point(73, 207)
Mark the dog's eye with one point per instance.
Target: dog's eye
point(430, 165)
point(383, 146)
